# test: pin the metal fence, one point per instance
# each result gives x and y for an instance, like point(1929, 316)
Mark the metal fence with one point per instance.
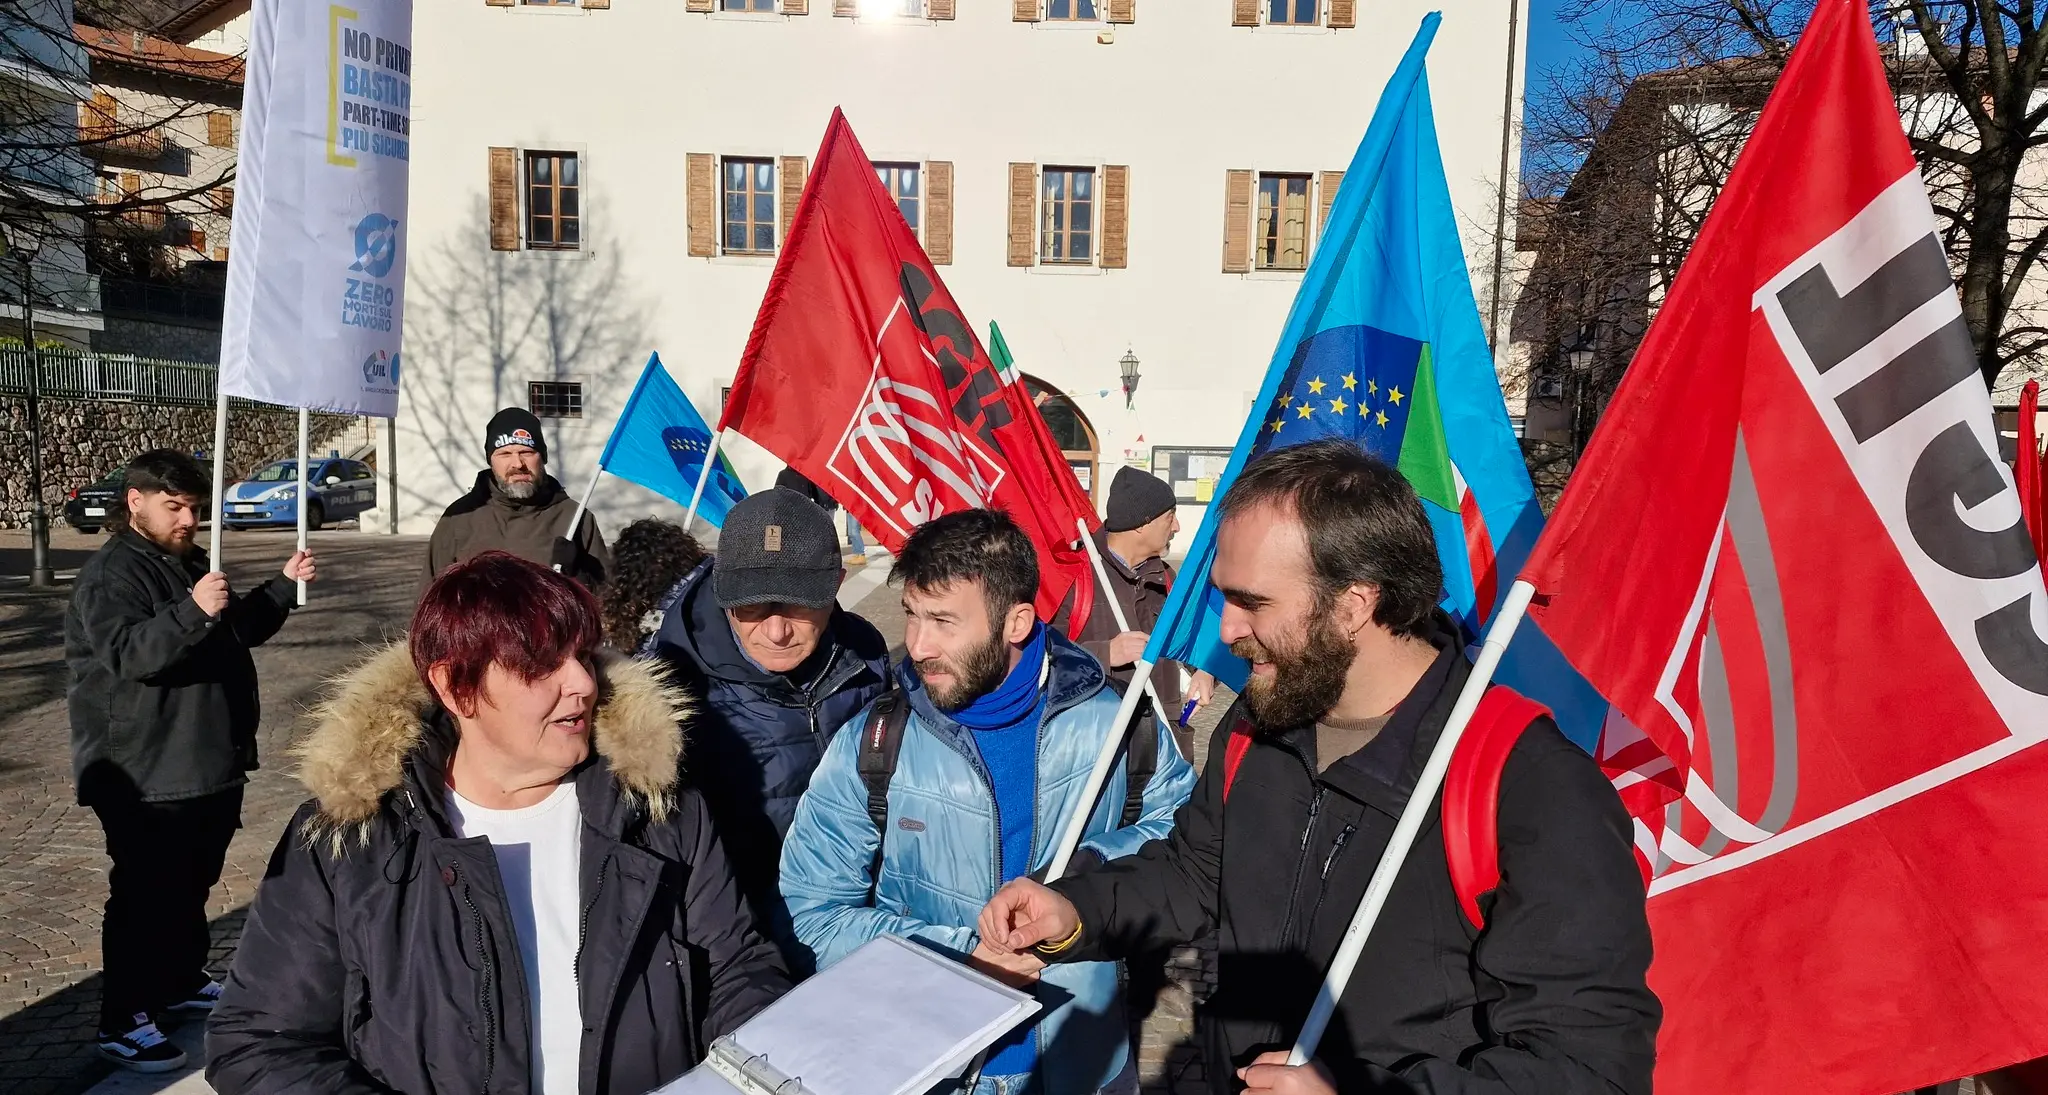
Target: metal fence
point(79, 374)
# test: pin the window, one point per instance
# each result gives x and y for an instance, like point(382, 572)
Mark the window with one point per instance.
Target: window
point(554, 220)
point(1070, 10)
point(749, 206)
point(1293, 13)
point(555, 399)
point(746, 5)
point(902, 181)
point(357, 471)
point(1282, 240)
point(1068, 234)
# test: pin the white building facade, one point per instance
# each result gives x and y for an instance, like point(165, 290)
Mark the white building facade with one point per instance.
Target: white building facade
point(593, 181)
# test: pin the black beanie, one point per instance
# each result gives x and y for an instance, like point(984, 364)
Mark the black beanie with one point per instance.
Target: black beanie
point(514, 426)
point(1136, 498)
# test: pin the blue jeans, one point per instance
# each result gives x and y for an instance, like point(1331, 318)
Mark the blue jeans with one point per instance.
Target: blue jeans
point(854, 543)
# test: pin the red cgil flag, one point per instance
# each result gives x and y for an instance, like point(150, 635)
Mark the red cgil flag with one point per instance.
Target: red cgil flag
point(863, 375)
point(1794, 562)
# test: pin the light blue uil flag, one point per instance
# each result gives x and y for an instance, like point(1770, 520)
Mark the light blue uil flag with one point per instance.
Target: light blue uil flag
point(660, 442)
point(1384, 347)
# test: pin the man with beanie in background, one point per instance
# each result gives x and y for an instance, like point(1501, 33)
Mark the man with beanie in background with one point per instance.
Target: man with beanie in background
point(1140, 525)
point(757, 635)
point(517, 506)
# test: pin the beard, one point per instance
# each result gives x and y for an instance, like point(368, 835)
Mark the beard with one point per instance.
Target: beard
point(1306, 681)
point(975, 675)
point(519, 490)
point(172, 539)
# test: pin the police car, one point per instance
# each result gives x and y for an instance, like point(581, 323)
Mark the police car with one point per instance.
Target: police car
point(341, 489)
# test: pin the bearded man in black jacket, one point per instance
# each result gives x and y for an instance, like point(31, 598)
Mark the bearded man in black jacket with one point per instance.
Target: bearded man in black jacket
point(1330, 578)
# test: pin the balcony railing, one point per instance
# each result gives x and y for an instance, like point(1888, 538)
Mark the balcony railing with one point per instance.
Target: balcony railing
point(79, 374)
point(111, 142)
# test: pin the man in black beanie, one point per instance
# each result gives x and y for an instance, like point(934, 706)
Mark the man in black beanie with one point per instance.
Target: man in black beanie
point(517, 506)
point(1138, 528)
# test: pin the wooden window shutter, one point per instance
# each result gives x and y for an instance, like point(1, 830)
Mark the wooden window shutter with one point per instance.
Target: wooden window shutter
point(1331, 180)
point(131, 184)
point(504, 199)
point(796, 7)
point(1343, 13)
point(597, 3)
point(1123, 11)
point(1237, 222)
point(224, 200)
point(846, 8)
point(792, 169)
point(938, 212)
point(220, 129)
point(1244, 13)
point(499, 3)
point(699, 5)
point(701, 203)
point(938, 9)
point(1023, 213)
point(1116, 217)
point(1024, 11)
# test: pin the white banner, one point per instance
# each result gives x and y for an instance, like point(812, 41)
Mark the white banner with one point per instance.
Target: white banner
point(316, 261)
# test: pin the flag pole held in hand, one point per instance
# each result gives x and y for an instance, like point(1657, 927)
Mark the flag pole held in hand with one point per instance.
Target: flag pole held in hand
point(1105, 759)
point(305, 494)
point(1421, 803)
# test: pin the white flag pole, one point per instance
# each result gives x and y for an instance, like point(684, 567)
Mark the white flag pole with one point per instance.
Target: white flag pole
point(305, 496)
point(220, 455)
point(1420, 801)
point(703, 477)
point(583, 504)
point(1105, 759)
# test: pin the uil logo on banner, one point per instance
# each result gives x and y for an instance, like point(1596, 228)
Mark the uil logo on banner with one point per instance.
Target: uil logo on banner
point(905, 451)
point(380, 372)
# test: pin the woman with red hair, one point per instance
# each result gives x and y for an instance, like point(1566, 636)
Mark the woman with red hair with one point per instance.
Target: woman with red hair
point(499, 884)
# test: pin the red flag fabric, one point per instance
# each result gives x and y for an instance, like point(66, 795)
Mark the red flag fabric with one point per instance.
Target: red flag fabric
point(1073, 505)
point(2027, 468)
point(863, 374)
point(1793, 563)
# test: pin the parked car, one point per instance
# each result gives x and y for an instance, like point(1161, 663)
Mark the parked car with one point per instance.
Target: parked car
point(341, 489)
point(92, 507)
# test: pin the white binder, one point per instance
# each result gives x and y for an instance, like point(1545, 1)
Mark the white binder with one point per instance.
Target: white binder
point(892, 1018)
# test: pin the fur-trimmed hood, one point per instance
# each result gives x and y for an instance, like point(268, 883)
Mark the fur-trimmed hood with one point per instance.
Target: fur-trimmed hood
point(376, 715)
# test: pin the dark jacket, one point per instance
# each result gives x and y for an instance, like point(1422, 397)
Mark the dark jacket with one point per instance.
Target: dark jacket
point(380, 954)
point(1550, 999)
point(163, 697)
point(792, 479)
point(761, 734)
point(485, 520)
point(1141, 590)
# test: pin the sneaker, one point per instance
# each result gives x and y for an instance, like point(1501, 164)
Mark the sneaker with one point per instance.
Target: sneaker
point(203, 1000)
point(144, 1049)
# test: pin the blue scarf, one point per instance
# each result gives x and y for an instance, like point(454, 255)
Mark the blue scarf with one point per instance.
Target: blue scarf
point(1013, 700)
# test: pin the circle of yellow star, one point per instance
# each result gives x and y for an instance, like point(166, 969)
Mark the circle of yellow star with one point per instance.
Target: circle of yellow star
point(1350, 381)
point(1286, 399)
point(1372, 387)
point(1395, 395)
point(1277, 423)
point(1316, 385)
point(1381, 418)
point(1338, 405)
point(1305, 409)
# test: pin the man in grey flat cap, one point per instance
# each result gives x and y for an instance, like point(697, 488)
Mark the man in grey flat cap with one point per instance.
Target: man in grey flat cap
point(758, 637)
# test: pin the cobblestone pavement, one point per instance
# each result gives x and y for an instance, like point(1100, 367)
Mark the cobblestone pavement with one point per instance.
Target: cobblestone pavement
point(53, 867)
point(52, 863)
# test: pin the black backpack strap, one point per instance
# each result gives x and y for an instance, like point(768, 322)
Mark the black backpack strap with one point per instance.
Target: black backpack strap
point(1141, 762)
point(881, 739)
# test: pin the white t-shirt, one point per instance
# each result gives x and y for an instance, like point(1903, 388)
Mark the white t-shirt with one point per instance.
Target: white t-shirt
point(539, 856)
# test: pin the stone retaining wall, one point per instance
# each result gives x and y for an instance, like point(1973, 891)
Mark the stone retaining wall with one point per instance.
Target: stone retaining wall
point(85, 439)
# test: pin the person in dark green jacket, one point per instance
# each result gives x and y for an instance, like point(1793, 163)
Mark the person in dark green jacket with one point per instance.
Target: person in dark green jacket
point(163, 706)
point(516, 506)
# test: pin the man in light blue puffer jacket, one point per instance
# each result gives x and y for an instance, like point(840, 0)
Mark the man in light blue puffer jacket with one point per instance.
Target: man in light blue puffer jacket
point(1005, 719)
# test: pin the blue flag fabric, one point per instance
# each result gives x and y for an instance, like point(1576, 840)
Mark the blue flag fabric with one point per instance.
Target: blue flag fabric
point(660, 442)
point(1384, 346)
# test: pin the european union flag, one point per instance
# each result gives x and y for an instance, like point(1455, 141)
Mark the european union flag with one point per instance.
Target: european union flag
point(1384, 347)
point(660, 442)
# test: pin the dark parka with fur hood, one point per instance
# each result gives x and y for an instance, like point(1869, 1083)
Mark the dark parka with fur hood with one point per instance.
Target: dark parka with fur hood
point(380, 954)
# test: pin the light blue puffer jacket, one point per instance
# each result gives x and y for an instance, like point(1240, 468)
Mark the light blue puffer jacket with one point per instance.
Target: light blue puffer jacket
point(939, 865)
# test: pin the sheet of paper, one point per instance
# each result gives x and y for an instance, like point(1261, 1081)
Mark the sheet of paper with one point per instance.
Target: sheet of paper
point(890, 1019)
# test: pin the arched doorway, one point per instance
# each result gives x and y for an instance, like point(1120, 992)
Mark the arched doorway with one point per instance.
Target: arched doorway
point(1071, 429)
